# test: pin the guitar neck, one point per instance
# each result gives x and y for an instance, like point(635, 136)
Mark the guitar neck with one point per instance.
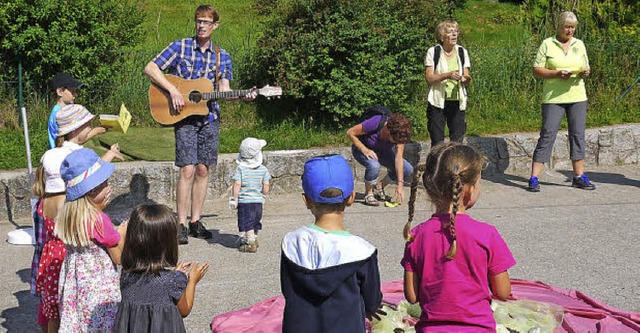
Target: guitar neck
point(225, 94)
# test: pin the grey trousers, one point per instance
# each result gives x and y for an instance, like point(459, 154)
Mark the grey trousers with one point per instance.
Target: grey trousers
point(551, 117)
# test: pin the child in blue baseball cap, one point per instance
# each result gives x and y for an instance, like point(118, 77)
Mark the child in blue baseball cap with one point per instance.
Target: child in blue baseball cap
point(329, 277)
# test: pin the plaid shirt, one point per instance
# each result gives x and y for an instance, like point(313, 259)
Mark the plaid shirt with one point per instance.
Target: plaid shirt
point(40, 234)
point(184, 58)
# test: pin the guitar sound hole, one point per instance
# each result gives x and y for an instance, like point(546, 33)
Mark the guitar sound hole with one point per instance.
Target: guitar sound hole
point(195, 97)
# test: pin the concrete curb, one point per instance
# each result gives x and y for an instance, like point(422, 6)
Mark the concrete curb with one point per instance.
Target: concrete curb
point(137, 182)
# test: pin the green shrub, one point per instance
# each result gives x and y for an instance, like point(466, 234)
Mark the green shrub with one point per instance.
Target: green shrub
point(336, 57)
point(83, 37)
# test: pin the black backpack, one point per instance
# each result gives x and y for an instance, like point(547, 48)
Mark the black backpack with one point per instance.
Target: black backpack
point(377, 110)
point(436, 56)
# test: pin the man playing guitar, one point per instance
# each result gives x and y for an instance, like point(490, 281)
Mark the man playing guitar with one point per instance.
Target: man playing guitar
point(196, 136)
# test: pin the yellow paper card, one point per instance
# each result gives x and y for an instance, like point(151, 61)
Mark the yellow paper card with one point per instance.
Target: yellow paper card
point(119, 123)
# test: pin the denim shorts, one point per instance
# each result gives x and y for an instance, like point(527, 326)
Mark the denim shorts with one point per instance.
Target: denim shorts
point(196, 141)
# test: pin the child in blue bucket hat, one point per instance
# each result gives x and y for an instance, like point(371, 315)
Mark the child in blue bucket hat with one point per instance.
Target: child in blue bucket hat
point(89, 282)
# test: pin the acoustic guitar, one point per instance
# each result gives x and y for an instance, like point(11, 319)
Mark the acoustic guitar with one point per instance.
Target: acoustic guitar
point(195, 93)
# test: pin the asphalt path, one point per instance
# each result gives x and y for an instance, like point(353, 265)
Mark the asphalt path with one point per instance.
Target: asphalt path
point(570, 238)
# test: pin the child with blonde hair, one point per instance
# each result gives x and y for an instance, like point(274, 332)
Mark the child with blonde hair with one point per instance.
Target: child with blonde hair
point(454, 264)
point(157, 291)
point(39, 234)
point(73, 126)
point(89, 289)
point(53, 249)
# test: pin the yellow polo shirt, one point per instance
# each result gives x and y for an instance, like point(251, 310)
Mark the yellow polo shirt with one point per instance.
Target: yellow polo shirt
point(551, 55)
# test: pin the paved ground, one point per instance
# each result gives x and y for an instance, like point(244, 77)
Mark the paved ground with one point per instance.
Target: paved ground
point(585, 240)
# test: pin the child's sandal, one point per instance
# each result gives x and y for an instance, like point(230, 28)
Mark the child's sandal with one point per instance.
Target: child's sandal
point(370, 200)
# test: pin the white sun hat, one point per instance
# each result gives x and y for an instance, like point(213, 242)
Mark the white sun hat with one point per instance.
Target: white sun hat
point(250, 155)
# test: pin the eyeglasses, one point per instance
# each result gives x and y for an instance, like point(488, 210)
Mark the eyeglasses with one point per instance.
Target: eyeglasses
point(206, 23)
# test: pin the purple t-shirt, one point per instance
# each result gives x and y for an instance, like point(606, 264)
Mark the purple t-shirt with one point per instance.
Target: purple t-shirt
point(372, 138)
point(454, 294)
point(108, 236)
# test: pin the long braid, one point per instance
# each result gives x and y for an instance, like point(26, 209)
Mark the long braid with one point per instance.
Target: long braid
point(450, 170)
point(457, 189)
point(406, 232)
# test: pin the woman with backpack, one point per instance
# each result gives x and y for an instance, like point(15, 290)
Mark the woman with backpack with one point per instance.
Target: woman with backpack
point(447, 73)
point(379, 140)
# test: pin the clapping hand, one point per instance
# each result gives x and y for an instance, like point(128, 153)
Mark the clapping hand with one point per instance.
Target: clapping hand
point(122, 228)
point(194, 271)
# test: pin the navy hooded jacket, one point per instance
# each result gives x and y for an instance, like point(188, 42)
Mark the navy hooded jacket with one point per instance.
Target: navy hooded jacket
point(330, 281)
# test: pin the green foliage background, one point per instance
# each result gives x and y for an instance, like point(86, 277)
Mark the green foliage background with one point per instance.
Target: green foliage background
point(83, 37)
point(337, 57)
point(332, 57)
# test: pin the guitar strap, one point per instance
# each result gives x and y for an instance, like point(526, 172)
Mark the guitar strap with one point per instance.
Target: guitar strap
point(216, 49)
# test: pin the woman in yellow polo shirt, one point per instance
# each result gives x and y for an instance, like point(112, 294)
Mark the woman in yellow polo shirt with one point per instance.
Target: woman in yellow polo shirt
point(563, 64)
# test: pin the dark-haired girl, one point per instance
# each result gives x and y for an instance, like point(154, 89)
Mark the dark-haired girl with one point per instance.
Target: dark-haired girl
point(454, 264)
point(157, 291)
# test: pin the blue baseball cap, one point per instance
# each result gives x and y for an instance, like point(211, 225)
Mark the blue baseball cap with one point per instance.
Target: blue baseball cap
point(324, 172)
point(82, 171)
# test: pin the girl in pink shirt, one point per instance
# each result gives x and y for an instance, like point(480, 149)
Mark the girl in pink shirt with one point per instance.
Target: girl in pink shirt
point(89, 288)
point(454, 264)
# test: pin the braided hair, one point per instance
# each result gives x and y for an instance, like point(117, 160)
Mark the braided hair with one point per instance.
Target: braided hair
point(448, 169)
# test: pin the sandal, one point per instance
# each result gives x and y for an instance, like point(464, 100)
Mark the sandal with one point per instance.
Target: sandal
point(379, 194)
point(370, 200)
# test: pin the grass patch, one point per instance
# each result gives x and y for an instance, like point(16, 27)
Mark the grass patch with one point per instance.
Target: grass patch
point(135, 145)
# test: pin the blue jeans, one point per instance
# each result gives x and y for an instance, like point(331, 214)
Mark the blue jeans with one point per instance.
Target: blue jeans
point(372, 166)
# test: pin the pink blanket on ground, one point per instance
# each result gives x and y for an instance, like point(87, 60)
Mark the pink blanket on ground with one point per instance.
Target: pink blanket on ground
point(581, 312)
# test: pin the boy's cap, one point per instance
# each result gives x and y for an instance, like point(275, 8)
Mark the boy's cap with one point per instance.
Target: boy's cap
point(250, 155)
point(71, 117)
point(324, 172)
point(65, 80)
point(82, 171)
point(51, 162)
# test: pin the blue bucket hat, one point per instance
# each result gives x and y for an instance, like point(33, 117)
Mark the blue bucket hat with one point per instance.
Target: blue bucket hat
point(324, 172)
point(82, 171)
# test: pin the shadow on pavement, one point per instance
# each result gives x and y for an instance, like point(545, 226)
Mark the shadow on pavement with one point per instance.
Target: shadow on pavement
point(119, 209)
point(516, 181)
point(606, 178)
point(226, 240)
point(23, 317)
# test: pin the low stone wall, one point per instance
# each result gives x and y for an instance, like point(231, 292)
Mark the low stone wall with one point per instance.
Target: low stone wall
point(137, 182)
